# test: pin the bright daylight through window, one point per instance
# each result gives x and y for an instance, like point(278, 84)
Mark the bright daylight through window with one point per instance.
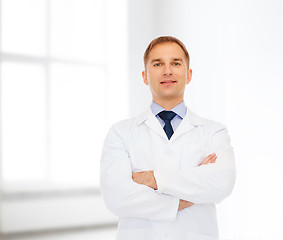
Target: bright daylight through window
point(53, 77)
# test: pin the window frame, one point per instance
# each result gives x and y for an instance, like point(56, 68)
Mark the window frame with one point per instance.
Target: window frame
point(45, 61)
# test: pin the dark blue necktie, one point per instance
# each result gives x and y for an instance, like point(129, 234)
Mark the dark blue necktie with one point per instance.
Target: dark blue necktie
point(167, 116)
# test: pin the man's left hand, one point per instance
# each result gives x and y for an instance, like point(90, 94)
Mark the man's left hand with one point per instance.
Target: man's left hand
point(145, 178)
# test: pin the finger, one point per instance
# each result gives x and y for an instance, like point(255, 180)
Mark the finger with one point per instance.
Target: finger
point(207, 159)
point(210, 156)
point(210, 159)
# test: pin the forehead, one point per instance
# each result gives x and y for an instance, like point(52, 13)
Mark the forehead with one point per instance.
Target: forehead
point(166, 50)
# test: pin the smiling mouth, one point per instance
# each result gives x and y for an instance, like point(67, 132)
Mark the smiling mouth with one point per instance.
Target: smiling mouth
point(167, 82)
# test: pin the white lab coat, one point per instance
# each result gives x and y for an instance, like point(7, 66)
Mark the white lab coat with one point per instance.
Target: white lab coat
point(140, 144)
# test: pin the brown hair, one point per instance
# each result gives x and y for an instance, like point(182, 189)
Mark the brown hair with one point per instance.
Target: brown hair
point(165, 39)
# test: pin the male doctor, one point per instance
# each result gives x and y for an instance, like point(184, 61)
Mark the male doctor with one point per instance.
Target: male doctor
point(163, 171)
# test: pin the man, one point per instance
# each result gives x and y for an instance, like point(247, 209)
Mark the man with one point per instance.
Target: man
point(163, 171)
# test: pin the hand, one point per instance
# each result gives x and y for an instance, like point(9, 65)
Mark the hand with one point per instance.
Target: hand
point(209, 159)
point(184, 204)
point(145, 178)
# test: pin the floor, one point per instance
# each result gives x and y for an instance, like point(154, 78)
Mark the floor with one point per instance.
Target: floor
point(89, 234)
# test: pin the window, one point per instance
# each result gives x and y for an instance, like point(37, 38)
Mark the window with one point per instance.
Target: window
point(55, 89)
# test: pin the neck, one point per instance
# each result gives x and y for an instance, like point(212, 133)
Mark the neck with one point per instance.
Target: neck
point(168, 105)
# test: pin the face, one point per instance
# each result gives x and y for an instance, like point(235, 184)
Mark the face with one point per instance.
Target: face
point(167, 73)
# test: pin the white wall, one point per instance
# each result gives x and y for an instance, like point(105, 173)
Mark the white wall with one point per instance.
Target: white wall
point(237, 57)
point(140, 31)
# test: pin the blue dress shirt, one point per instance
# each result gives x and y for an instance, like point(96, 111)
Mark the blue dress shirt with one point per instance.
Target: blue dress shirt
point(180, 110)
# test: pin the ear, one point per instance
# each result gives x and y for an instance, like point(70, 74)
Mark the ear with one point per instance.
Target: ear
point(189, 76)
point(144, 76)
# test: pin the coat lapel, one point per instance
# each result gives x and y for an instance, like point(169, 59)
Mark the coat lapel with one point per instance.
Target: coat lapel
point(155, 125)
point(189, 122)
point(152, 122)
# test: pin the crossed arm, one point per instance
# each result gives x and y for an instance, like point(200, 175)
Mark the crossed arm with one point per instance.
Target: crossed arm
point(147, 178)
point(129, 194)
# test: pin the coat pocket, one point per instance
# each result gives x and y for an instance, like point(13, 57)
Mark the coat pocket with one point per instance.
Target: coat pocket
point(198, 236)
point(130, 234)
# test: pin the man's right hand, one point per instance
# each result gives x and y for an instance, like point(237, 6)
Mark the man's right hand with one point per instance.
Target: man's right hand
point(209, 159)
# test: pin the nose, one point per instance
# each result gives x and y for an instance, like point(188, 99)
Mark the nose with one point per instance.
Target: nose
point(167, 69)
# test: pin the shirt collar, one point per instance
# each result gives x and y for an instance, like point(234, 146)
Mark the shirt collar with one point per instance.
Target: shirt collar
point(190, 117)
point(180, 109)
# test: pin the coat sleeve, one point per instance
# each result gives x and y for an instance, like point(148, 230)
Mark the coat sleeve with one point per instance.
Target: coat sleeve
point(121, 194)
point(206, 184)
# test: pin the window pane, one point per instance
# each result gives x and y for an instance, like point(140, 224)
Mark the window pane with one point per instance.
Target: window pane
point(77, 29)
point(77, 123)
point(24, 26)
point(24, 122)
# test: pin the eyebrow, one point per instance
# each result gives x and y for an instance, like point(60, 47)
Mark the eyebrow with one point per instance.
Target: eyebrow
point(159, 59)
point(178, 59)
point(156, 60)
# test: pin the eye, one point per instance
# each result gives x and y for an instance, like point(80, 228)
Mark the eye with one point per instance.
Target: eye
point(176, 63)
point(157, 64)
